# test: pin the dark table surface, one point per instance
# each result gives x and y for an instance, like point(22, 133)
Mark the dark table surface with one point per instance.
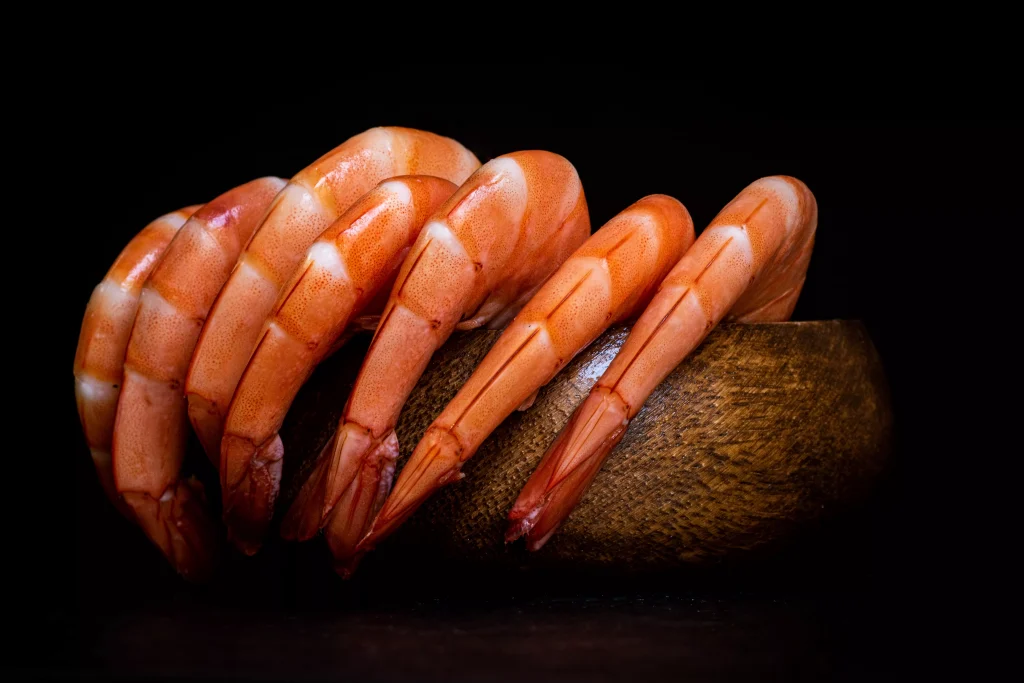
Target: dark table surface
point(601, 637)
point(832, 604)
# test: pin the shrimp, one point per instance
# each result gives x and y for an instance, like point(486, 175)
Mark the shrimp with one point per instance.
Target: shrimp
point(151, 427)
point(310, 202)
point(749, 265)
point(99, 358)
point(608, 280)
point(344, 271)
point(477, 261)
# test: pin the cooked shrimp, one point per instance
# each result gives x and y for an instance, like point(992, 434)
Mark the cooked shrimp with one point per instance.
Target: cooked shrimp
point(151, 427)
point(345, 270)
point(477, 261)
point(609, 279)
point(749, 265)
point(99, 358)
point(310, 202)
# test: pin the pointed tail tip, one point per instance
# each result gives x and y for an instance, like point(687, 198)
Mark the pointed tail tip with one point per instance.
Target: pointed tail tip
point(515, 530)
point(245, 541)
point(521, 519)
point(431, 466)
point(435, 463)
point(384, 524)
point(379, 529)
point(245, 530)
point(531, 525)
point(179, 524)
point(347, 456)
point(198, 570)
point(248, 505)
point(346, 567)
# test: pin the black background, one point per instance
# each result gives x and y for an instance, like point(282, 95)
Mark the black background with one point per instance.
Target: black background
point(867, 592)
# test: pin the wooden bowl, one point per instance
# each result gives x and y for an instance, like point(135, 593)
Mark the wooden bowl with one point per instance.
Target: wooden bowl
point(760, 431)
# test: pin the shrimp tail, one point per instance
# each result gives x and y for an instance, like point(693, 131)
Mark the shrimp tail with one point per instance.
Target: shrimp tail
point(365, 466)
point(178, 523)
point(249, 502)
point(436, 462)
point(360, 503)
point(567, 469)
point(355, 449)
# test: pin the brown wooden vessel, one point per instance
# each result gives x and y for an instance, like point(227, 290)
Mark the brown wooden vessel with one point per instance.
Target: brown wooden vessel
point(760, 431)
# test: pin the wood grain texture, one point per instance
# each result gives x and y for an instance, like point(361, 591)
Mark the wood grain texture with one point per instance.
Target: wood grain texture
point(762, 430)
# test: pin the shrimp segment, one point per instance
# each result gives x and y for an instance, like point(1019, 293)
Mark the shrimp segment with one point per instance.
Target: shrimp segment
point(344, 271)
point(477, 261)
point(151, 427)
point(607, 280)
point(306, 207)
point(749, 265)
point(99, 358)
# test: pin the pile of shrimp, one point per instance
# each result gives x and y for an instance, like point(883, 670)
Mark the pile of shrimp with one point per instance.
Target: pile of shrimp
point(214, 316)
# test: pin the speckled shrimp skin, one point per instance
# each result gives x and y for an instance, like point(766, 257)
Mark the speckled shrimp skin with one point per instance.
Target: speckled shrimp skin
point(608, 280)
point(306, 207)
point(749, 265)
point(477, 261)
point(151, 427)
point(99, 358)
point(342, 276)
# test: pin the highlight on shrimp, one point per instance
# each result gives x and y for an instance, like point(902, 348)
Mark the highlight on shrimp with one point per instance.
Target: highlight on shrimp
point(477, 261)
point(151, 426)
point(748, 265)
point(340, 279)
point(307, 206)
point(99, 358)
point(608, 280)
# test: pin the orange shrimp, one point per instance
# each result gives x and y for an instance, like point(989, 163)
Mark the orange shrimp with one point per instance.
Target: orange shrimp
point(151, 427)
point(477, 261)
point(310, 202)
point(99, 358)
point(749, 265)
point(344, 271)
point(609, 279)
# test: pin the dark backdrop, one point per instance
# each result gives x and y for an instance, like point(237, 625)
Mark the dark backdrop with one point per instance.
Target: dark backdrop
point(858, 594)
